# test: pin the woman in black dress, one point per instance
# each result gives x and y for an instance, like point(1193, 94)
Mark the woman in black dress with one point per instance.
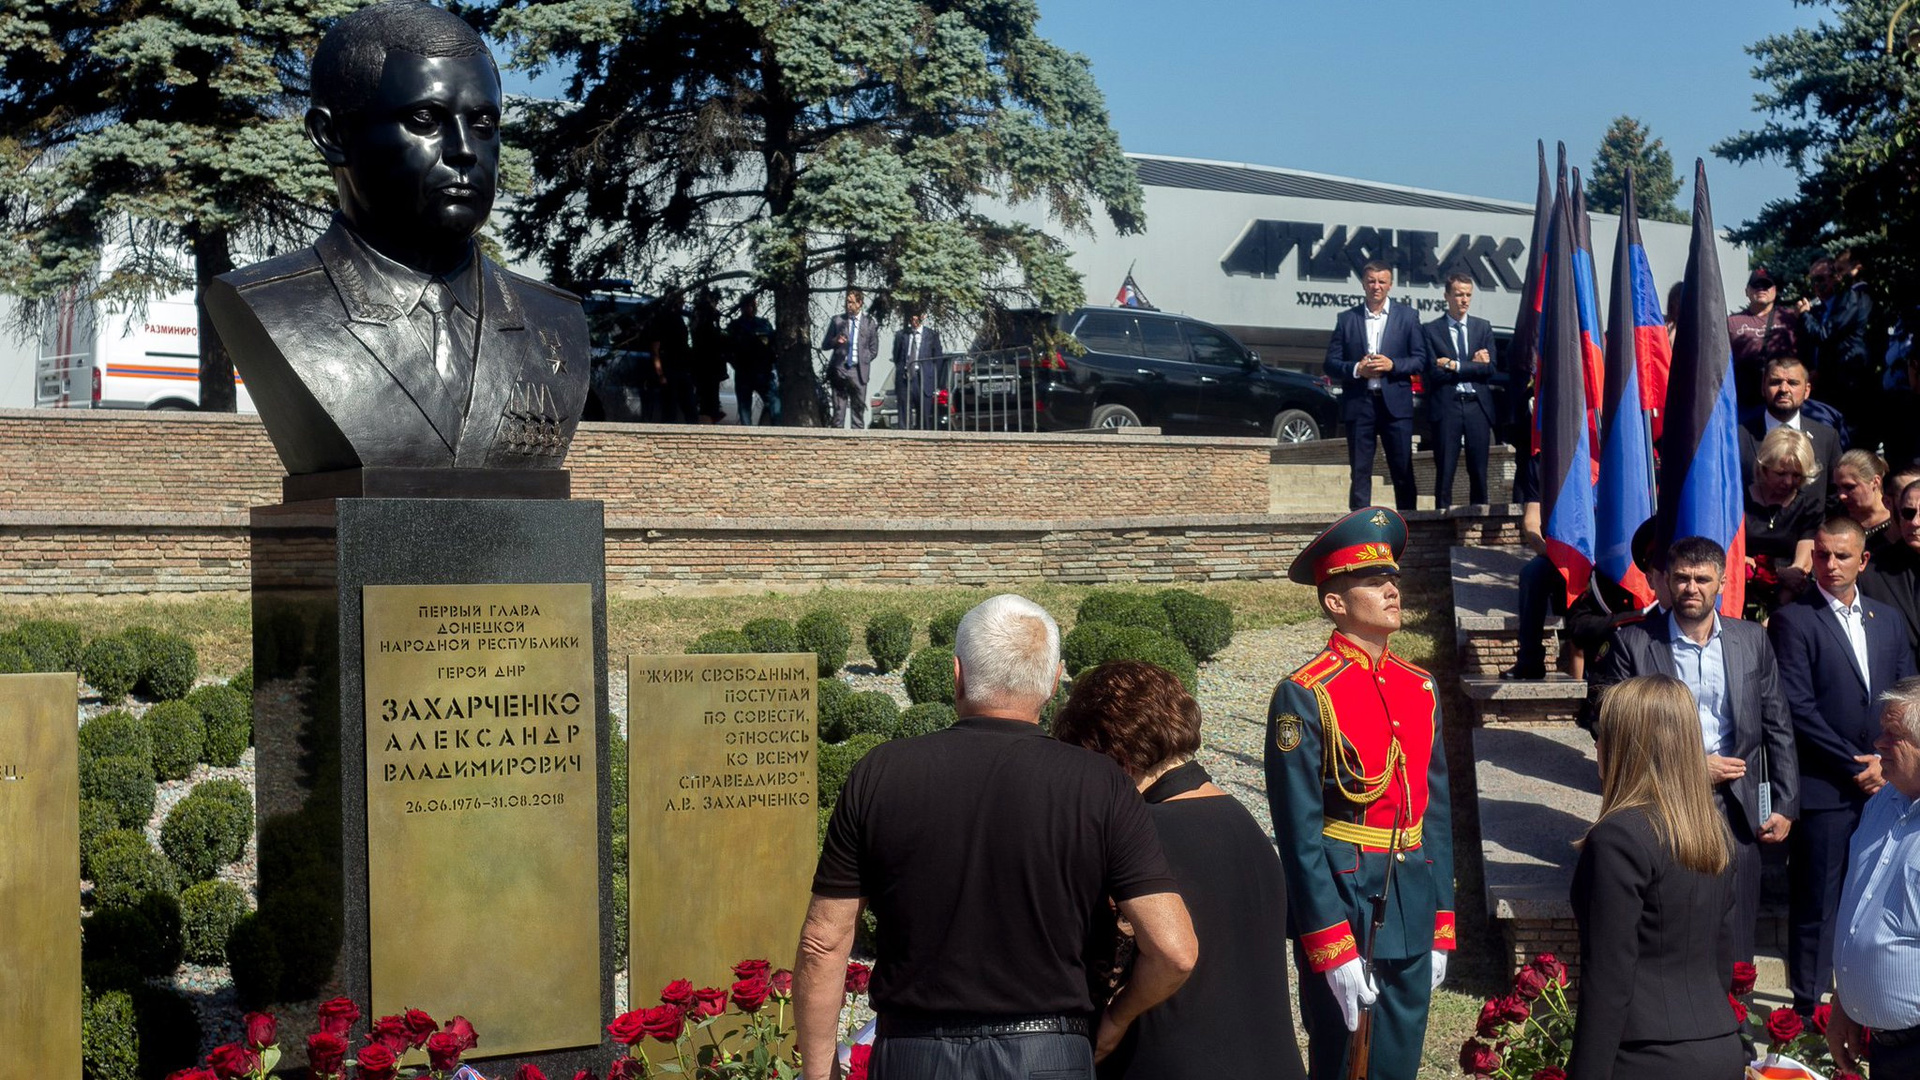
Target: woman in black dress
point(1782, 513)
point(1653, 895)
point(1858, 480)
point(1234, 1016)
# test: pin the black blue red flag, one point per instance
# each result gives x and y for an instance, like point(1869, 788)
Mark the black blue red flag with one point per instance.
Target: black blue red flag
point(1586, 284)
point(1560, 408)
point(1700, 489)
point(1523, 357)
point(1636, 338)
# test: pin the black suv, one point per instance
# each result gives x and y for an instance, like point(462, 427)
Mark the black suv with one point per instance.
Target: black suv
point(1182, 375)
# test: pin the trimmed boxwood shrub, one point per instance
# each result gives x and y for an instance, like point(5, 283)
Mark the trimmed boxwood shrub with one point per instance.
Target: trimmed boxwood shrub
point(109, 1042)
point(227, 716)
point(179, 738)
point(14, 659)
point(111, 665)
point(49, 645)
point(232, 792)
point(145, 935)
point(97, 818)
point(889, 640)
point(945, 625)
point(253, 959)
point(923, 719)
point(209, 910)
point(837, 760)
point(871, 711)
point(832, 710)
point(125, 783)
point(1134, 643)
point(168, 667)
point(1086, 645)
point(827, 637)
point(929, 675)
point(243, 682)
point(1204, 625)
point(721, 641)
point(770, 635)
point(1124, 609)
point(201, 835)
point(124, 873)
point(115, 733)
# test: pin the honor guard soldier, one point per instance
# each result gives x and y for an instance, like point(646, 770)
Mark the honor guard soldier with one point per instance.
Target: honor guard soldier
point(1357, 780)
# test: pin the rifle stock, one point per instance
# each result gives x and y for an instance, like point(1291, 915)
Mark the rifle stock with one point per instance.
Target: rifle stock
point(1360, 1045)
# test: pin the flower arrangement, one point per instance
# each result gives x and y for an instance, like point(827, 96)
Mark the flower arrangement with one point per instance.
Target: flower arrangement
point(1527, 1033)
point(1782, 1032)
point(720, 1034)
point(329, 1051)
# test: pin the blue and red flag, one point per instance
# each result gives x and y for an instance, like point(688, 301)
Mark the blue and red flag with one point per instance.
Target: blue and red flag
point(1592, 354)
point(1700, 489)
point(1560, 409)
point(1624, 496)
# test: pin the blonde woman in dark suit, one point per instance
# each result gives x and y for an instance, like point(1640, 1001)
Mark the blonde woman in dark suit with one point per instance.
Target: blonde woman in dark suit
point(1652, 894)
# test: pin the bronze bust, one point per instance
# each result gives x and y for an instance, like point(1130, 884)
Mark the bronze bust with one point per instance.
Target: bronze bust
point(393, 341)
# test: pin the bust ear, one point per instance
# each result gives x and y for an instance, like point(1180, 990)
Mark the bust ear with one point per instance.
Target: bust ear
point(323, 129)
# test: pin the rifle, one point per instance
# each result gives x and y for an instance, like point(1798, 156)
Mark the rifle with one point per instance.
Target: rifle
point(1360, 1043)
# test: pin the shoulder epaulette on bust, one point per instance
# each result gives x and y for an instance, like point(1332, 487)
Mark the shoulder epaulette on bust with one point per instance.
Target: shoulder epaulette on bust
point(1319, 669)
point(292, 264)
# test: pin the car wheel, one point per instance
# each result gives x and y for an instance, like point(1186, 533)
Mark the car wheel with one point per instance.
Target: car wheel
point(1115, 416)
point(1294, 426)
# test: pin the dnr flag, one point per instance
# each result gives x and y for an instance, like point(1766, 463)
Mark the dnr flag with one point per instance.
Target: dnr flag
point(1131, 296)
point(1523, 359)
point(1635, 331)
point(1700, 489)
point(1560, 411)
point(1586, 285)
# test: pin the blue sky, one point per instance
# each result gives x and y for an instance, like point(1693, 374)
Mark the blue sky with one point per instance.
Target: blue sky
point(1448, 96)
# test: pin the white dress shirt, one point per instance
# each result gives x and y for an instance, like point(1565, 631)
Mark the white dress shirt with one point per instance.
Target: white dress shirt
point(1792, 422)
point(1376, 330)
point(1854, 622)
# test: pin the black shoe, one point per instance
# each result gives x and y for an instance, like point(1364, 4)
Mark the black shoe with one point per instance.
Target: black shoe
point(1518, 673)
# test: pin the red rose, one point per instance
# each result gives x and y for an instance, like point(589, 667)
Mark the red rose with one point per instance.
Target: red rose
point(260, 1030)
point(194, 1073)
point(420, 1027)
point(1478, 1059)
point(585, 1074)
point(709, 1003)
point(464, 1032)
point(1822, 1016)
point(376, 1062)
point(750, 993)
point(326, 1054)
point(626, 1028)
point(626, 1069)
point(663, 1022)
point(1513, 1009)
point(233, 1061)
point(679, 994)
point(1847, 1076)
point(1739, 1009)
point(782, 983)
point(857, 1061)
point(1743, 978)
point(337, 1017)
point(1490, 1021)
point(1549, 965)
point(1551, 1072)
point(858, 975)
point(1529, 983)
point(530, 1071)
point(443, 1051)
point(391, 1032)
point(747, 969)
point(1783, 1026)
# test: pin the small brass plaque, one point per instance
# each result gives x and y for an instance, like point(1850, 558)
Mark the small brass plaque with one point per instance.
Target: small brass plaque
point(483, 890)
point(722, 781)
point(39, 876)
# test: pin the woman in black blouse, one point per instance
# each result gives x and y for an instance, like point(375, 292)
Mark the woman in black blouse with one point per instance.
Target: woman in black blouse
point(1234, 1016)
point(1653, 895)
point(1782, 514)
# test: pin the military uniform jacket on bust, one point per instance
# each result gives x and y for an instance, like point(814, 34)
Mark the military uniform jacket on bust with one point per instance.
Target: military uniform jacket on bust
point(342, 379)
point(1349, 746)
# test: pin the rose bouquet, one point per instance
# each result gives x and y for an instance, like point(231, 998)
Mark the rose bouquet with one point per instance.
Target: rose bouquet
point(1527, 1033)
point(1781, 1037)
point(251, 1059)
point(714, 1033)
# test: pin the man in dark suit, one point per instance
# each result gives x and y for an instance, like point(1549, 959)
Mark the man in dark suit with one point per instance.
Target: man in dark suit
point(1784, 390)
point(1376, 350)
point(1746, 732)
point(1460, 392)
point(917, 372)
point(393, 340)
point(1838, 652)
point(851, 343)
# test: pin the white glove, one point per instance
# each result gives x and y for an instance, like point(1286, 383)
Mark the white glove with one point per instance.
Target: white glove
point(1352, 989)
point(1439, 968)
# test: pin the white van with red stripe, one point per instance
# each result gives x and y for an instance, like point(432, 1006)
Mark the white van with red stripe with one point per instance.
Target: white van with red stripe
point(93, 356)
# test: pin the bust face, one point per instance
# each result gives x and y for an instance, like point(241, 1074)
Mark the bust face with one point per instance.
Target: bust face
point(422, 161)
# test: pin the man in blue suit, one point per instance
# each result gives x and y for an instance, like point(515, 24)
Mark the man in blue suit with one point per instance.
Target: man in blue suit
point(1376, 350)
point(1460, 392)
point(1838, 652)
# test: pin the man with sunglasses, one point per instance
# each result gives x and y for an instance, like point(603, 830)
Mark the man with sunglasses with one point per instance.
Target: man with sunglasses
point(1894, 578)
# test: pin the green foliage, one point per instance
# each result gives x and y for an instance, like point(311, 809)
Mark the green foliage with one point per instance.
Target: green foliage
point(945, 625)
point(826, 635)
point(14, 660)
point(168, 667)
point(621, 908)
point(870, 712)
point(1656, 187)
point(124, 873)
point(1052, 708)
point(144, 639)
point(209, 910)
point(1086, 645)
point(144, 936)
point(179, 738)
point(831, 714)
point(771, 636)
point(97, 818)
point(1134, 643)
point(109, 1042)
point(837, 760)
point(1204, 625)
point(929, 675)
point(227, 716)
point(47, 645)
point(125, 783)
point(200, 835)
point(111, 665)
point(253, 958)
point(169, 1030)
point(889, 640)
point(617, 782)
point(721, 641)
point(923, 719)
point(1118, 608)
point(115, 733)
point(243, 683)
point(232, 792)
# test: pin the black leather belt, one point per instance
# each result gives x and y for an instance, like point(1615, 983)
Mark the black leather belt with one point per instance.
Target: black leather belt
point(978, 1027)
point(1897, 1039)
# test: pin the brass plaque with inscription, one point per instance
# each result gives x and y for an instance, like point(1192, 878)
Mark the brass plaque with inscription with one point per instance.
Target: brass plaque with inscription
point(722, 782)
point(39, 876)
point(483, 895)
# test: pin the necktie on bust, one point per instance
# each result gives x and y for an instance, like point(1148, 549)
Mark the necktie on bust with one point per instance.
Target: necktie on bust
point(452, 360)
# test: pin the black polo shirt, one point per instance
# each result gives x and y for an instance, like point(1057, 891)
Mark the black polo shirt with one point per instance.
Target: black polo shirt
point(986, 851)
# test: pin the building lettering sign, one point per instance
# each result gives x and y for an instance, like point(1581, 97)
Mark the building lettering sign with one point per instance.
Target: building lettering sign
point(1416, 255)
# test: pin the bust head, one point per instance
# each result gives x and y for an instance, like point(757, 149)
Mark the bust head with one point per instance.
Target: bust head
point(406, 110)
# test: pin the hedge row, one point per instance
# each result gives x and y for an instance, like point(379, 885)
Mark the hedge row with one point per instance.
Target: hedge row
point(822, 633)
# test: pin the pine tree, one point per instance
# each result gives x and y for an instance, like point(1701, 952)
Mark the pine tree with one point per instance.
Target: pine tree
point(1656, 185)
point(162, 136)
point(801, 146)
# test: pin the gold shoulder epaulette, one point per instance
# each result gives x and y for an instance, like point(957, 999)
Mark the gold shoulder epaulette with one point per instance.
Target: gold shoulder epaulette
point(1318, 670)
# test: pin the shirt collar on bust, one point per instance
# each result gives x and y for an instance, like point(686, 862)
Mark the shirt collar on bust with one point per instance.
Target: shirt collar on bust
point(390, 281)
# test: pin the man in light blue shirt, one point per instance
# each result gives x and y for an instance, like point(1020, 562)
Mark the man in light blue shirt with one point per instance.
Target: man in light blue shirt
point(1876, 948)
